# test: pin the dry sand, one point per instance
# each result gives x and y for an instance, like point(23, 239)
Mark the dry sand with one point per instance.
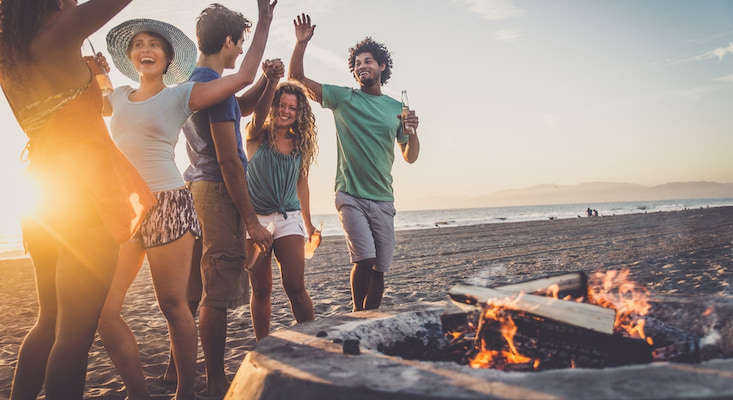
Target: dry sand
point(684, 258)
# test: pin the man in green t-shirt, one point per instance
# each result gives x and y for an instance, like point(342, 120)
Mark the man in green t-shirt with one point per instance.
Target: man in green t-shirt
point(367, 124)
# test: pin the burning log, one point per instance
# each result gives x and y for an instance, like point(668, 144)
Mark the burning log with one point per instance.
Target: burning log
point(584, 315)
point(506, 329)
point(458, 314)
point(573, 284)
point(549, 344)
point(672, 344)
point(457, 317)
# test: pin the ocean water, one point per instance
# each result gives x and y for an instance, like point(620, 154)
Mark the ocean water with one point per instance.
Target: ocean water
point(11, 246)
point(425, 219)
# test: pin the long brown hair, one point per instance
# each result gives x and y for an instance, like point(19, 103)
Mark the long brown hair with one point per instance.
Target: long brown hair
point(304, 129)
point(19, 24)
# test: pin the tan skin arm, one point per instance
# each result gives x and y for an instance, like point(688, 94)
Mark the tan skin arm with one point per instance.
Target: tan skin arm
point(206, 94)
point(56, 49)
point(305, 203)
point(106, 105)
point(411, 150)
point(249, 98)
point(225, 142)
point(303, 34)
point(253, 140)
point(254, 132)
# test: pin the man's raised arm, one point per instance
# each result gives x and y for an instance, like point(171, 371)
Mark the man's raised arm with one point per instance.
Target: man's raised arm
point(303, 34)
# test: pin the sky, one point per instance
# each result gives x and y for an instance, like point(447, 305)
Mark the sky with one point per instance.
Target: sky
point(510, 94)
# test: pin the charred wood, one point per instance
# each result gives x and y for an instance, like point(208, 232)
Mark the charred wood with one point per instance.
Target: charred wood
point(555, 344)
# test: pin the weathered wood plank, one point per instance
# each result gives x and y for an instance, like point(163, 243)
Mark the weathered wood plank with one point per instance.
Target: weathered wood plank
point(574, 284)
point(584, 315)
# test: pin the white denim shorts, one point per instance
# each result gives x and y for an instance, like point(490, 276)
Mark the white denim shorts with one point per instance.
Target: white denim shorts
point(292, 225)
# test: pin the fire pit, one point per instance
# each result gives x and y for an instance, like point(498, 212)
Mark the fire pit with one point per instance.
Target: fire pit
point(561, 321)
point(341, 358)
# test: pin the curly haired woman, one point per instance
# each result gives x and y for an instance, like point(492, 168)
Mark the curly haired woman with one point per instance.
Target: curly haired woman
point(281, 146)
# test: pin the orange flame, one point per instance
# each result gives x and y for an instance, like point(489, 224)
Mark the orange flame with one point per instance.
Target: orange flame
point(489, 358)
point(552, 291)
point(613, 289)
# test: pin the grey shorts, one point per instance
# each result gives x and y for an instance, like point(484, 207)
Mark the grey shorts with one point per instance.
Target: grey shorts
point(369, 228)
point(225, 283)
point(169, 219)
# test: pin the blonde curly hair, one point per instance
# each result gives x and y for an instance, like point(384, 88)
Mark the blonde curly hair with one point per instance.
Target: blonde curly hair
point(304, 129)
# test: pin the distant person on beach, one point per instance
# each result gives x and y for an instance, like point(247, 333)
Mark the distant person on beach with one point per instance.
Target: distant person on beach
point(589, 212)
point(145, 124)
point(367, 125)
point(90, 196)
point(217, 180)
point(281, 146)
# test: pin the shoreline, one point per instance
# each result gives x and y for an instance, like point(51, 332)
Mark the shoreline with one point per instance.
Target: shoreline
point(334, 224)
point(683, 258)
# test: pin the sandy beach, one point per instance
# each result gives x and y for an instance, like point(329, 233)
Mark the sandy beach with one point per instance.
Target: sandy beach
point(684, 259)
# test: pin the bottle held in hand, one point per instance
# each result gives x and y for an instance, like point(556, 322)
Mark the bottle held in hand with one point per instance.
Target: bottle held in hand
point(257, 254)
point(405, 112)
point(313, 242)
point(100, 73)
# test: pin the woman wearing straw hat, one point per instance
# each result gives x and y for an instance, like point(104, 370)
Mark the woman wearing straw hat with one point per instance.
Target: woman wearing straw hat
point(90, 196)
point(145, 125)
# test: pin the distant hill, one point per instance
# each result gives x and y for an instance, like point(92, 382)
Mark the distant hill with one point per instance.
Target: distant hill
point(591, 192)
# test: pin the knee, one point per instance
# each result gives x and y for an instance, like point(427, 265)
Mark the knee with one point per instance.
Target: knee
point(105, 324)
point(365, 265)
point(295, 290)
point(104, 320)
point(174, 308)
point(109, 316)
point(44, 329)
point(46, 321)
point(262, 292)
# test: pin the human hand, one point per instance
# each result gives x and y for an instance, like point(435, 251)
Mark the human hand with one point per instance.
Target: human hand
point(410, 122)
point(266, 9)
point(261, 236)
point(102, 61)
point(275, 69)
point(303, 28)
point(310, 228)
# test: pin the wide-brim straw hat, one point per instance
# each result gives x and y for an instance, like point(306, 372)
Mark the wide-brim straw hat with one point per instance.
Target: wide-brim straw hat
point(184, 60)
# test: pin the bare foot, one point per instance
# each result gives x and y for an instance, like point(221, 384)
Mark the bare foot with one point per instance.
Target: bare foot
point(170, 376)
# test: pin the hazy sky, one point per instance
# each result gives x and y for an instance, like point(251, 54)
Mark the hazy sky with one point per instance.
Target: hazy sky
point(510, 93)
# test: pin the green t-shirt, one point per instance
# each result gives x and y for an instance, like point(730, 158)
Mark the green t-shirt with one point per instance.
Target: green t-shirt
point(367, 127)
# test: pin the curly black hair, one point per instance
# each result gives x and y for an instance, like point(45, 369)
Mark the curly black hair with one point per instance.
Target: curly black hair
point(19, 23)
point(378, 51)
